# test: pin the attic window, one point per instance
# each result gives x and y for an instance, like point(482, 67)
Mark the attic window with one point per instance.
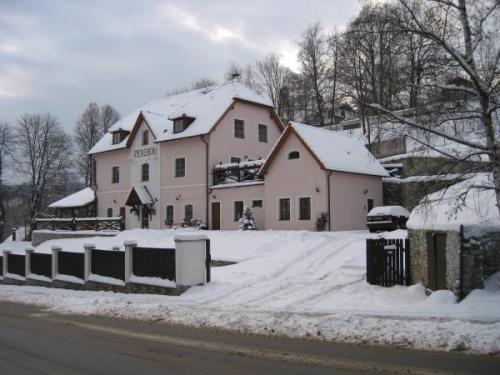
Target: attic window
point(182, 123)
point(293, 155)
point(119, 136)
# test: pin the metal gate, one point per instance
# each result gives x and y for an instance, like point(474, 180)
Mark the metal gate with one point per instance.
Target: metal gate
point(388, 261)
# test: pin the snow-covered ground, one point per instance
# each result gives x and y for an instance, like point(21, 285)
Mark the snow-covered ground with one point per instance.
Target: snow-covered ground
point(293, 283)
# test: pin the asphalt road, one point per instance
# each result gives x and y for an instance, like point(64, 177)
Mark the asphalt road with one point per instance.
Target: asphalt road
point(33, 341)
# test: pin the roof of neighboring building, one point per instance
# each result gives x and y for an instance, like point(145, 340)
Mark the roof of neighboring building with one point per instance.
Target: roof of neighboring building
point(207, 106)
point(333, 151)
point(470, 202)
point(79, 199)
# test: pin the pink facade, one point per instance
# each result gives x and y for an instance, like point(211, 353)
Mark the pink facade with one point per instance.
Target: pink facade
point(181, 183)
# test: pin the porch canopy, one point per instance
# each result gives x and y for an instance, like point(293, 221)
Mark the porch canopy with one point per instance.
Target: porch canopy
point(139, 195)
point(79, 204)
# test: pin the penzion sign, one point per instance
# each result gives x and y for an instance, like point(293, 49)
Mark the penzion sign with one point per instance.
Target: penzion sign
point(142, 152)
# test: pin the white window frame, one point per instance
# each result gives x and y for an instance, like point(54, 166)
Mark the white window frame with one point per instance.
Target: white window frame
point(184, 210)
point(257, 199)
point(310, 207)
point(279, 209)
point(175, 166)
point(112, 168)
point(258, 133)
point(244, 127)
point(234, 209)
point(288, 155)
point(173, 214)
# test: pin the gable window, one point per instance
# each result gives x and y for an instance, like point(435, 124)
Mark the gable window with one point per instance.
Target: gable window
point(238, 210)
point(145, 137)
point(305, 208)
point(115, 175)
point(145, 172)
point(293, 155)
point(263, 133)
point(239, 128)
point(257, 203)
point(180, 167)
point(188, 213)
point(110, 212)
point(169, 215)
point(284, 209)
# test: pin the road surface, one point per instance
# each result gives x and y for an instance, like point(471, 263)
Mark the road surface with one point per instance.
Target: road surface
point(33, 341)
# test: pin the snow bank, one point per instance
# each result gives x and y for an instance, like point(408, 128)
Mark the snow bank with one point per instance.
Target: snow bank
point(471, 202)
point(298, 284)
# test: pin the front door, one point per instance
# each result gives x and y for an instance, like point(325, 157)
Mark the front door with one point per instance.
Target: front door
point(145, 218)
point(215, 215)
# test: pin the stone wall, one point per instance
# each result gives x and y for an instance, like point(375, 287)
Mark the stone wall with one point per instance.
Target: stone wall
point(39, 236)
point(481, 257)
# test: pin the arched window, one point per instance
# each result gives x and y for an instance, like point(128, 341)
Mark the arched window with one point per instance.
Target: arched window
point(145, 172)
point(293, 155)
point(110, 212)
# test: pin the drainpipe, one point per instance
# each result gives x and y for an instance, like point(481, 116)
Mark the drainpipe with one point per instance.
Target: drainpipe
point(461, 276)
point(202, 137)
point(328, 175)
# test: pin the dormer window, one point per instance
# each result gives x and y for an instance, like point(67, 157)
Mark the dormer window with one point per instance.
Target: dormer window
point(182, 123)
point(119, 135)
point(293, 155)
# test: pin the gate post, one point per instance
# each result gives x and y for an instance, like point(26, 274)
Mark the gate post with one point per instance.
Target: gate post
point(87, 267)
point(55, 261)
point(129, 245)
point(27, 260)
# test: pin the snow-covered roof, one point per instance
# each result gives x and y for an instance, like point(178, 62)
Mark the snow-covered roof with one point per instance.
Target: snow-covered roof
point(143, 194)
point(389, 210)
point(206, 106)
point(79, 199)
point(338, 152)
point(465, 203)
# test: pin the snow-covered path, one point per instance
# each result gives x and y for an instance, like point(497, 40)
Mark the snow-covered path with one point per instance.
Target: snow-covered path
point(299, 284)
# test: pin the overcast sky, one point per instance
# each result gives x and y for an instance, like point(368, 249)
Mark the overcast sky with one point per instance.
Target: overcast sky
point(58, 56)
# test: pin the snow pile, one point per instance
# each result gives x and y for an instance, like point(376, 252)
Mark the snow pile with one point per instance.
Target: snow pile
point(79, 199)
point(206, 105)
point(294, 283)
point(470, 202)
point(338, 152)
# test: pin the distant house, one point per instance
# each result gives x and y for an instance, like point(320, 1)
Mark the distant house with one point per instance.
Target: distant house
point(205, 155)
point(455, 236)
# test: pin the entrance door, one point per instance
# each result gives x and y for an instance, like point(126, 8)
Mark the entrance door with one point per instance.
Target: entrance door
point(215, 215)
point(436, 261)
point(145, 218)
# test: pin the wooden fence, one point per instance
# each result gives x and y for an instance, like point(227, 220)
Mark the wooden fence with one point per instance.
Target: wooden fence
point(74, 224)
point(388, 261)
point(151, 262)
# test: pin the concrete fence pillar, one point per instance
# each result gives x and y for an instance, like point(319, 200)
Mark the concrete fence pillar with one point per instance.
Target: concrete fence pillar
point(87, 267)
point(190, 257)
point(55, 263)
point(27, 260)
point(129, 245)
point(5, 262)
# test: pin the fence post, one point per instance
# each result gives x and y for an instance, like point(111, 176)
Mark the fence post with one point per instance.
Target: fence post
point(27, 260)
point(87, 265)
point(129, 245)
point(14, 232)
point(55, 261)
point(5, 262)
point(407, 263)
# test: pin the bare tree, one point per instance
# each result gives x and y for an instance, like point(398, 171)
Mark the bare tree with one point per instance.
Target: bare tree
point(313, 57)
point(202, 83)
point(6, 148)
point(467, 34)
point(43, 150)
point(274, 80)
point(109, 116)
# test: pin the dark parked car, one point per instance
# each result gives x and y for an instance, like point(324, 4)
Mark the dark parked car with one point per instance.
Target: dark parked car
point(387, 218)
